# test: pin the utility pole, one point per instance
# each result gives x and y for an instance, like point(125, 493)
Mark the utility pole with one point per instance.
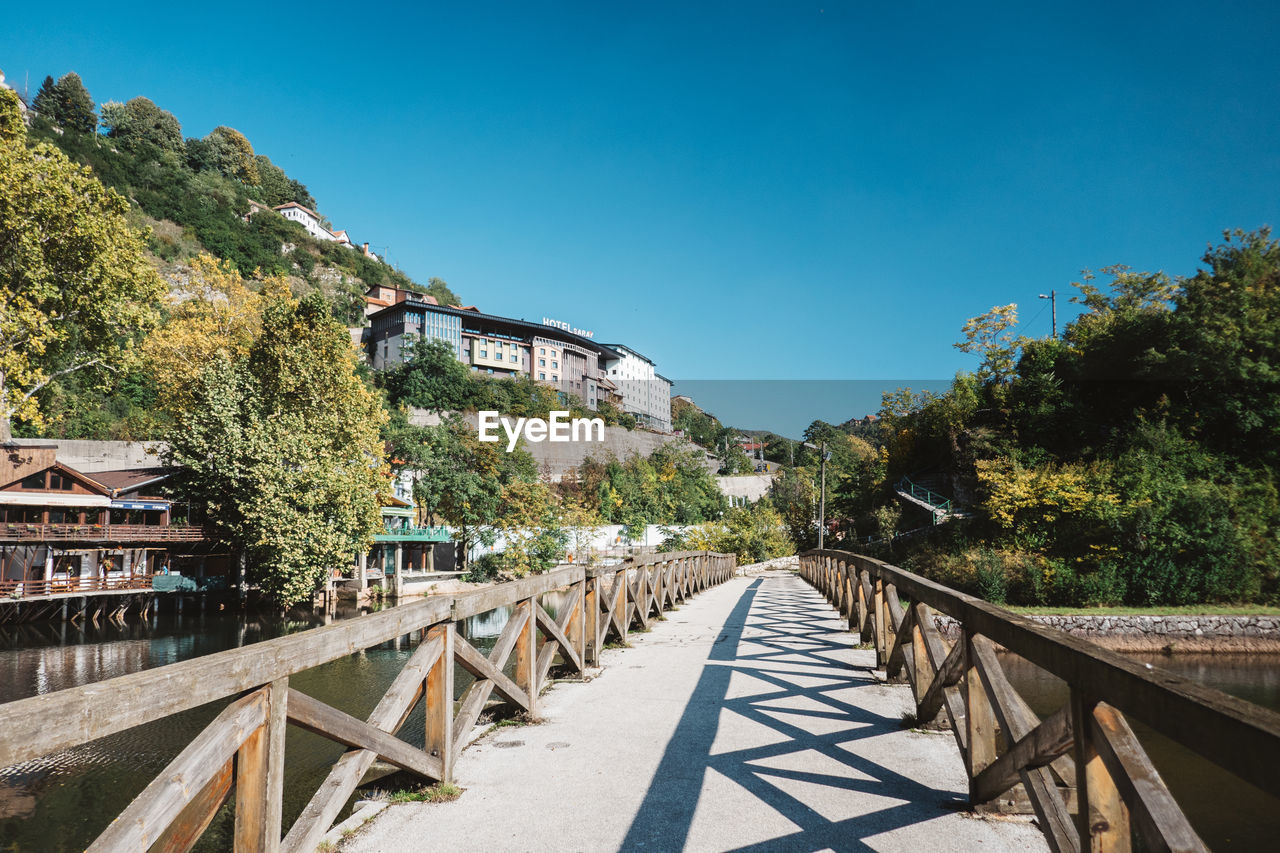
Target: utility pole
point(822, 501)
point(1053, 305)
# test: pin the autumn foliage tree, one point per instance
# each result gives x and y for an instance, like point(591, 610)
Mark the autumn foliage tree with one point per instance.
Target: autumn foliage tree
point(215, 316)
point(78, 290)
point(284, 442)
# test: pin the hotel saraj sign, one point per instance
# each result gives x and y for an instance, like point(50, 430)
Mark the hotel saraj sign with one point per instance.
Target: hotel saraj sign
point(560, 324)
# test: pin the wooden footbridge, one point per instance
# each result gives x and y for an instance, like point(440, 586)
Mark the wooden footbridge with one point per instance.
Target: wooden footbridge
point(242, 750)
point(1080, 769)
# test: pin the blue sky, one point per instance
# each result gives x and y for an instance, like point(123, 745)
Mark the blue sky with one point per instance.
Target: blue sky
point(788, 190)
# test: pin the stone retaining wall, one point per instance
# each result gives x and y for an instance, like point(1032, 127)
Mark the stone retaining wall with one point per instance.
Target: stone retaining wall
point(1159, 633)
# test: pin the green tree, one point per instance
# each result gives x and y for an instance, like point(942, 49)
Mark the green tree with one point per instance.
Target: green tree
point(534, 529)
point(140, 122)
point(459, 479)
point(795, 495)
point(285, 444)
point(436, 287)
point(79, 290)
point(46, 100)
point(432, 378)
point(273, 188)
point(67, 104)
point(989, 336)
point(230, 153)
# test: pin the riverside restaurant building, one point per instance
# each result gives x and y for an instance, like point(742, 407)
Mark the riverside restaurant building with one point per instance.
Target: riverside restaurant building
point(66, 531)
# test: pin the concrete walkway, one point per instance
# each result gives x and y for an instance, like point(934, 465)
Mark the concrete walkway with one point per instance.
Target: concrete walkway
point(744, 722)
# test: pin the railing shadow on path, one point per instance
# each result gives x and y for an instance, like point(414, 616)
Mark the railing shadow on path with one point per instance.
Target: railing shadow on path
point(779, 673)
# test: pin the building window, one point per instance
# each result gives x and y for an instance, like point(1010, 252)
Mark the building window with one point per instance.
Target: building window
point(33, 481)
point(555, 364)
point(59, 481)
point(542, 376)
point(555, 378)
point(484, 353)
point(542, 362)
point(542, 350)
point(553, 353)
point(514, 358)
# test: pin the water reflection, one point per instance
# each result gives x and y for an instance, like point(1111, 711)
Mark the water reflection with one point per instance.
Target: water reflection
point(1228, 813)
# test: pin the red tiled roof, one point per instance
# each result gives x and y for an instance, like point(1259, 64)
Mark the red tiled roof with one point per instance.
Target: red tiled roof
point(299, 206)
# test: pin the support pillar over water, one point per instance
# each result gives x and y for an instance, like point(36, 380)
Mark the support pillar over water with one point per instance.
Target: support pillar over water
point(363, 576)
point(399, 587)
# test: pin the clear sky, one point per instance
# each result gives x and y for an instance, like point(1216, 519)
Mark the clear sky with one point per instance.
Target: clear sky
point(740, 190)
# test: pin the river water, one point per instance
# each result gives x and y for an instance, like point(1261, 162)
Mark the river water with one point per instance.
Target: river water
point(63, 801)
point(1228, 813)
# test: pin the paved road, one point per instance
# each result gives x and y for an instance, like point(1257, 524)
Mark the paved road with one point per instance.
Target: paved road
point(746, 721)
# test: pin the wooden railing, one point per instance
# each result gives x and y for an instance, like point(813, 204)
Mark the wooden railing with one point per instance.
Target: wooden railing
point(1083, 753)
point(243, 748)
point(72, 586)
point(17, 531)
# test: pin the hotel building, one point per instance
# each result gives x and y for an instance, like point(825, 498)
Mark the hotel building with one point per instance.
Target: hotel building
point(498, 346)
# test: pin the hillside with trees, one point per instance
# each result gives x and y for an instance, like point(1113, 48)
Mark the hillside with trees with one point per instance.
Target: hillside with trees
point(1130, 461)
point(187, 198)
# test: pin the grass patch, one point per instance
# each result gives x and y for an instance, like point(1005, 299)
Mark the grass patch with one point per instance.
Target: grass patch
point(615, 644)
point(441, 792)
point(517, 721)
point(862, 647)
point(1172, 610)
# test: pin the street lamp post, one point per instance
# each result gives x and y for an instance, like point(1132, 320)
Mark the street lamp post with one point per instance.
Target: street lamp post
point(1052, 296)
point(822, 500)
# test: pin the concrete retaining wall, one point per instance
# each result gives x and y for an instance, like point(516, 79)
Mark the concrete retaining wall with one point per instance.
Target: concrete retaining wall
point(556, 459)
point(750, 486)
point(90, 456)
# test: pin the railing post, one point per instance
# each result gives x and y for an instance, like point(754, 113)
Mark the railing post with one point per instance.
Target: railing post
point(624, 591)
point(851, 581)
point(526, 654)
point(260, 777)
point(438, 701)
point(923, 665)
point(980, 719)
point(576, 624)
point(1102, 819)
point(878, 626)
point(862, 604)
point(591, 609)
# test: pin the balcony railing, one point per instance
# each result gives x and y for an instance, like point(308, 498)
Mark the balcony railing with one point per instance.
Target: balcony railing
point(61, 586)
point(413, 534)
point(17, 531)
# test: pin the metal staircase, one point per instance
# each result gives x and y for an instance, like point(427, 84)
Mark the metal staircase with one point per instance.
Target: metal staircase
point(939, 508)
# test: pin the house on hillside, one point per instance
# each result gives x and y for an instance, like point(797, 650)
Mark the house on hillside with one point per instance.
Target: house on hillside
point(22, 103)
point(63, 530)
point(307, 218)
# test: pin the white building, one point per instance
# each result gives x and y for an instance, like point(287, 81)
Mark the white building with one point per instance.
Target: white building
point(308, 219)
point(22, 105)
point(645, 393)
